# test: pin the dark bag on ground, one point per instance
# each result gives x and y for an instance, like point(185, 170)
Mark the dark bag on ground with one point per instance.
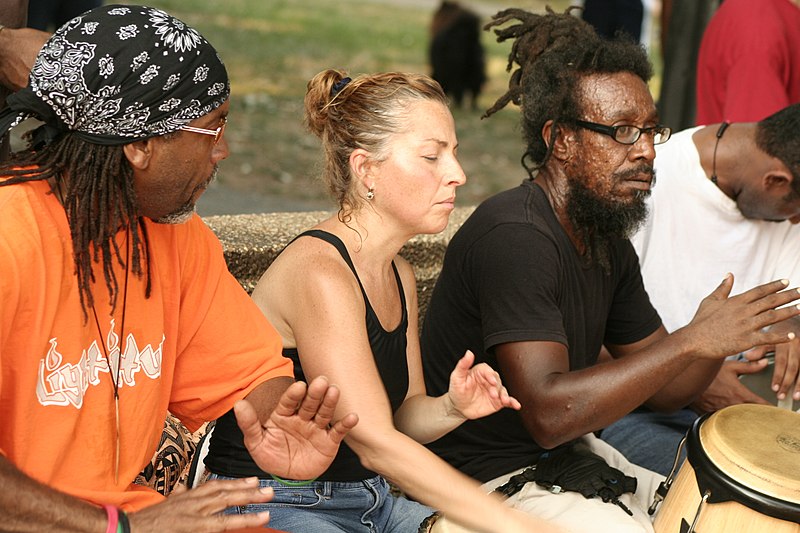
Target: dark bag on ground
point(575, 468)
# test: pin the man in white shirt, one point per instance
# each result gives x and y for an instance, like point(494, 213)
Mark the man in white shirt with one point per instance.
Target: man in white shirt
point(727, 200)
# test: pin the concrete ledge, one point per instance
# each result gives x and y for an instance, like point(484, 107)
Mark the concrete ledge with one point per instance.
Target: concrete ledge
point(252, 242)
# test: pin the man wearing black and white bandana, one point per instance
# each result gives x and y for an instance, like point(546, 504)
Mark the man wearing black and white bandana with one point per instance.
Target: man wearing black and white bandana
point(115, 301)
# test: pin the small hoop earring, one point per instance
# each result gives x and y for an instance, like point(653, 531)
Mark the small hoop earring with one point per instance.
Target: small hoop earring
point(370, 194)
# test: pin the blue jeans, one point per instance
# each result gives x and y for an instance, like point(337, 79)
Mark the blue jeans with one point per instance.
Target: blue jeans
point(337, 507)
point(650, 439)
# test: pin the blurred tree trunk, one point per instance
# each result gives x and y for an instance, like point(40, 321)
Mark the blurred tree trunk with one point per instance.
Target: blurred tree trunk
point(682, 26)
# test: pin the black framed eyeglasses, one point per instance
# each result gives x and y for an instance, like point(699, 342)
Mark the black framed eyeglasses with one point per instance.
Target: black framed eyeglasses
point(217, 133)
point(627, 134)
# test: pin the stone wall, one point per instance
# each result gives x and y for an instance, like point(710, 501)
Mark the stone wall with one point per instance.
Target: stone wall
point(252, 242)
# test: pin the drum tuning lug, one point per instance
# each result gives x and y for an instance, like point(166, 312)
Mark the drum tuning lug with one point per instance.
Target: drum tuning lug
point(658, 497)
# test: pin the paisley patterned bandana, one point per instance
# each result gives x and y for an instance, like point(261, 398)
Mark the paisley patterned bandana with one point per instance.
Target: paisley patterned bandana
point(117, 74)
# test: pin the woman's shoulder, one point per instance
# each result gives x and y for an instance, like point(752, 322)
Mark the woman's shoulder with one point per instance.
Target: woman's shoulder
point(308, 265)
point(310, 255)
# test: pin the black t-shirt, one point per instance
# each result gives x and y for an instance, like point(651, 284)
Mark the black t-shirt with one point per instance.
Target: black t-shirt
point(511, 274)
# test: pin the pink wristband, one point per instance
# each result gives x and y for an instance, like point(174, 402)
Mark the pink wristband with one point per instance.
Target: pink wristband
point(113, 518)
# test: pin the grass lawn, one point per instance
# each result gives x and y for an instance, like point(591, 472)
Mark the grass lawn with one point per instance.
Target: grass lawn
point(273, 47)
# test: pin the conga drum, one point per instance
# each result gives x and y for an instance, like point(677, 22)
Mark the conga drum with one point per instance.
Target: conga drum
point(742, 474)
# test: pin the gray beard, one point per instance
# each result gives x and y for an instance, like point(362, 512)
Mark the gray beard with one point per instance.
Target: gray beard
point(185, 212)
point(178, 217)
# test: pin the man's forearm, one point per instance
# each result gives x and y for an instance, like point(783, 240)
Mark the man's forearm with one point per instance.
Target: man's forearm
point(13, 13)
point(26, 506)
point(265, 397)
point(686, 386)
point(18, 51)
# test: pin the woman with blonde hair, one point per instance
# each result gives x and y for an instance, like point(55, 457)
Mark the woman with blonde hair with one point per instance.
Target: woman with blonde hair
point(345, 305)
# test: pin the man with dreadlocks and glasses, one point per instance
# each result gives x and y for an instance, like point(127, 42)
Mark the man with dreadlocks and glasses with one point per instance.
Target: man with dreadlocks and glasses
point(115, 301)
point(541, 276)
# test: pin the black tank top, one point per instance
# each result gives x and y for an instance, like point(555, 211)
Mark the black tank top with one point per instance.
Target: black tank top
point(227, 455)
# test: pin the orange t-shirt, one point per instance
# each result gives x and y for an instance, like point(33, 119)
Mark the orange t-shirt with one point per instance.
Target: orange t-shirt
point(194, 347)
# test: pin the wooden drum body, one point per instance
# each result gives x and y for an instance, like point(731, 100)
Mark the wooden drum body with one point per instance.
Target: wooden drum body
point(742, 474)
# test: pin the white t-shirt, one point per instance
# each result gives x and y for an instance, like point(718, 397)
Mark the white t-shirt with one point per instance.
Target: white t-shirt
point(695, 234)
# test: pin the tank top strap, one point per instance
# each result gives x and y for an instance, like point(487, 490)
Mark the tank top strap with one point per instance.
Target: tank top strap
point(337, 243)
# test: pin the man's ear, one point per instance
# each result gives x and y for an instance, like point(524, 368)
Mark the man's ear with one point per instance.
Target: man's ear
point(139, 153)
point(562, 139)
point(777, 182)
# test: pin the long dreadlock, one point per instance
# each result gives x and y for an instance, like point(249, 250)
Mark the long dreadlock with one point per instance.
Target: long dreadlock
point(96, 185)
point(554, 51)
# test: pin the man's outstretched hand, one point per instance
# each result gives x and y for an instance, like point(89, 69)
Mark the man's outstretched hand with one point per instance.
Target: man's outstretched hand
point(299, 439)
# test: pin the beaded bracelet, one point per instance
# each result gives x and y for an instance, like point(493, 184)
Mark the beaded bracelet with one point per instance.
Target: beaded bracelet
point(289, 483)
point(113, 518)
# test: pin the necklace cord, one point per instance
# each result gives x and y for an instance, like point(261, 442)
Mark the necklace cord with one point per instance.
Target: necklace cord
point(720, 132)
point(106, 351)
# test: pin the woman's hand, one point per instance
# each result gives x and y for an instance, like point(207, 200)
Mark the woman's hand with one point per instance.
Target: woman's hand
point(476, 391)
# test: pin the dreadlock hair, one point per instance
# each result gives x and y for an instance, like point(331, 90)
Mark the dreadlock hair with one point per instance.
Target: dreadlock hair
point(554, 52)
point(96, 185)
point(777, 136)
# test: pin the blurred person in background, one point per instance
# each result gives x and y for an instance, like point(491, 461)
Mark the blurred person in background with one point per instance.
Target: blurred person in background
point(612, 18)
point(47, 15)
point(748, 66)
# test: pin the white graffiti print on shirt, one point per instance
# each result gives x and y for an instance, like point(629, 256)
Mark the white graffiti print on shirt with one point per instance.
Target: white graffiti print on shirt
point(66, 384)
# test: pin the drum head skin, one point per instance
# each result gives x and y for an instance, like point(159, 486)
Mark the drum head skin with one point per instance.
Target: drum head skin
point(758, 446)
